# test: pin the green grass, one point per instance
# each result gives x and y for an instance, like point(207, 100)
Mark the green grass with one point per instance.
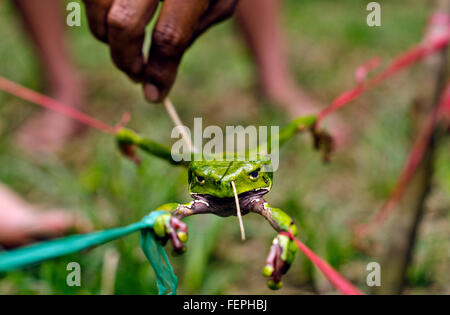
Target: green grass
point(326, 42)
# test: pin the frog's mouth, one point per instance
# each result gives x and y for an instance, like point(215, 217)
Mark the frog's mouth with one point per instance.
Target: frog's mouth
point(225, 207)
point(253, 192)
point(245, 196)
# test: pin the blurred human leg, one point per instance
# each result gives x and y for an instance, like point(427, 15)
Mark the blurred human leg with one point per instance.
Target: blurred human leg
point(22, 223)
point(44, 21)
point(261, 27)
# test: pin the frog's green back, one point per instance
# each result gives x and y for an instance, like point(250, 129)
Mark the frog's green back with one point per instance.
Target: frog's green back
point(214, 177)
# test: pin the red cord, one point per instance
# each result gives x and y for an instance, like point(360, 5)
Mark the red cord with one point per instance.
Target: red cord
point(363, 70)
point(437, 37)
point(339, 282)
point(413, 161)
point(49, 103)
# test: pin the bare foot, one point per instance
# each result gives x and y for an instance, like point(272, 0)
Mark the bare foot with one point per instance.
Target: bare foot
point(48, 131)
point(21, 223)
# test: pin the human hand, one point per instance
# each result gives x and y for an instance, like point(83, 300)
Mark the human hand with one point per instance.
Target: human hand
point(121, 24)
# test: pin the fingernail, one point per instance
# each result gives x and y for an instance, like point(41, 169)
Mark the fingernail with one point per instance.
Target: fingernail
point(151, 92)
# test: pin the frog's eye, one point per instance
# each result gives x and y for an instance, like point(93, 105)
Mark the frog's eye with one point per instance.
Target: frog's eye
point(254, 174)
point(200, 179)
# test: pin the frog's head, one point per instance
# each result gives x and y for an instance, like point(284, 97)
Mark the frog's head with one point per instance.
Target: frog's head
point(214, 177)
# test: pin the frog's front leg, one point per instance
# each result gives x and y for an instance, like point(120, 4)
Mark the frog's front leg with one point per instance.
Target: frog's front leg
point(283, 249)
point(128, 140)
point(169, 226)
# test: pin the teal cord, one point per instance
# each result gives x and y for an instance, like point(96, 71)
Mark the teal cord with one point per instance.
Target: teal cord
point(40, 252)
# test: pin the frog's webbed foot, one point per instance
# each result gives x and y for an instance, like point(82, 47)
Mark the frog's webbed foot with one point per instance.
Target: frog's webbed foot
point(129, 151)
point(276, 263)
point(283, 249)
point(168, 226)
point(324, 143)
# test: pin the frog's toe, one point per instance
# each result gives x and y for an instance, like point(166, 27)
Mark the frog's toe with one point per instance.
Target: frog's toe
point(267, 270)
point(168, 227)
point(274, 285)
point(177, 231)
point(278, 261)
point(183, 236)
point(274, 266)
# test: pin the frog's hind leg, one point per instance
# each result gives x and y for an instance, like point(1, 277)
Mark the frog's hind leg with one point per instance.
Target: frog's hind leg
point(283, 249)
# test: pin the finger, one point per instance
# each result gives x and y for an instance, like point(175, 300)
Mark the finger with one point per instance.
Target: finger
point(175, 27)
point(97, 14)
point(127, 20)
point(218, 12)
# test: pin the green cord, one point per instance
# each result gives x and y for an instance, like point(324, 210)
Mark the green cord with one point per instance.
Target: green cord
point(40, 252)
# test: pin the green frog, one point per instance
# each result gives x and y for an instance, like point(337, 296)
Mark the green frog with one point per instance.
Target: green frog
point(213, 186)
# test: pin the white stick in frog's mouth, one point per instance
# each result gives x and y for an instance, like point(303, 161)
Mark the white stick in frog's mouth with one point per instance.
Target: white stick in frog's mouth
point(238, 210)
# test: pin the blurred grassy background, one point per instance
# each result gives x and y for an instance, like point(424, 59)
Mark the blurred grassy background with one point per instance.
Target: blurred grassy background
point(326, 43)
